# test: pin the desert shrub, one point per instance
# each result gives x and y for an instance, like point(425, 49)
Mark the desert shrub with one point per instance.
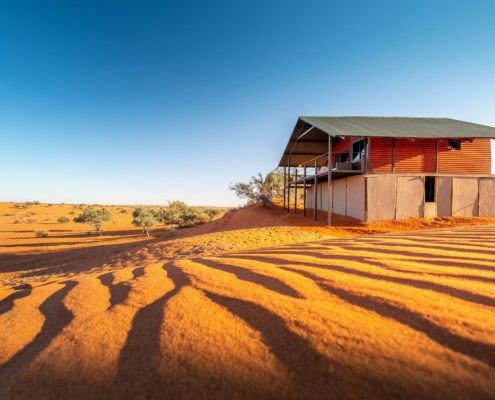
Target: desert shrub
point(63, 220)
point(212, 213)
point(31, 221)
point(260, 190)
point(17, 221)
point(9, 214)
point(146, 219)
point(71, 213)
point(179, 213)
point(17, 205)
point(42, 233)
point(94, 217)
point(123, 211)
point(30, 213)
point(36, 202)
point(49, 205)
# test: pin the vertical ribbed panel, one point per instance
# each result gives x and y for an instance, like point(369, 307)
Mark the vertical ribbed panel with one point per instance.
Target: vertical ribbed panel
point(380, 154)
point(473, 158)
point(415, 155)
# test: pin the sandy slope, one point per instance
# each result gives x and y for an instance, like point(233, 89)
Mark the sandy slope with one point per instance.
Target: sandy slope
point(402, 315)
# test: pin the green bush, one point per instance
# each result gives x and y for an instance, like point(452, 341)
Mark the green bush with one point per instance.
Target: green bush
point(42, 233)
point(63, 220)
point(146, 219)
point(212, 213)
point(94, 217)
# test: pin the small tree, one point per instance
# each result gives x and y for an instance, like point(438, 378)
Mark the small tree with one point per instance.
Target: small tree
point(212, 213)
point(260, 190)
point(179, 213)
point(145, 219)
point(94, 217)
point(63, 220)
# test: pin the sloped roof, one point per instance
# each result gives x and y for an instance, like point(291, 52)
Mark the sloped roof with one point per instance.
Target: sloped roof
point(315, 142)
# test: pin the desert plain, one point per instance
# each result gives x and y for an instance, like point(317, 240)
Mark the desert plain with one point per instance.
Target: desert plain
point(259, 303)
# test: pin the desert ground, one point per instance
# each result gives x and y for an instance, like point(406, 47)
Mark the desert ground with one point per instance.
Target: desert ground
point(259, 303)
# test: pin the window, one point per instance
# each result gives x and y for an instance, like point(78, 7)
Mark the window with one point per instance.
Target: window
point(429, 189)
point(357, 150)
point(342, 157)
point(454, 144)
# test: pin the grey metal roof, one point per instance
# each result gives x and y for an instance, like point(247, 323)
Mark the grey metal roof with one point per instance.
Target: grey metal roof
point(315, 142)
point(400, 127)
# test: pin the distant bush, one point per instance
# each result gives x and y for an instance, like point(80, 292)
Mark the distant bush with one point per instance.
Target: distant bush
point(146, 219)
point(124, 211)
point(31, 221)
point(63, 220)
point(30, 213)
point(9, 214)
point(71, 213)
point(17, 205)
point(94, 217)
point(212, 213)
point(17, 221)
point(42, 233)
point(49, 205)
point(36, 202)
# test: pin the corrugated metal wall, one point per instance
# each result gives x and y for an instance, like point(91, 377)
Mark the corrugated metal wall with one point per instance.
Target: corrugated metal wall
point(472, 158)
point(415, 156)
point(380, 154)
point(419, 156)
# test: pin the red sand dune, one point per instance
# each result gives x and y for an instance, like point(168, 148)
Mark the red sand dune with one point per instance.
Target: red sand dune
point(234, 310)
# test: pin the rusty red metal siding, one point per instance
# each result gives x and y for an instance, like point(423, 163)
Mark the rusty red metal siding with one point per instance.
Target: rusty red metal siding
point(474, 157)
point(415, 155)
point(419, 156)
point(380, 154)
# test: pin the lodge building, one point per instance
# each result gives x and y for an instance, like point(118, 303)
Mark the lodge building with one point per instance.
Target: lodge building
point(381, 168)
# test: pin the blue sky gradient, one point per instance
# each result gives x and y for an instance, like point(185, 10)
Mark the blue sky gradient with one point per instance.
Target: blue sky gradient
point(127, 102)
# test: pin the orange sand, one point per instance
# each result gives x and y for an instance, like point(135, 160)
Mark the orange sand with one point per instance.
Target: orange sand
point(257, 304)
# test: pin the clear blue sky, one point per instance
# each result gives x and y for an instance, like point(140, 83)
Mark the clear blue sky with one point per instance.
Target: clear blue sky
point(137, 102)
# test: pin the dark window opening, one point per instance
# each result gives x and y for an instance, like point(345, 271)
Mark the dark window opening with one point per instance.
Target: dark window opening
point(429, 189)
point(454, 144)
point(343, 157)
point(358, 150)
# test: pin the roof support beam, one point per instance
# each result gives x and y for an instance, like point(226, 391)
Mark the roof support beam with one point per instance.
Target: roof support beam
point(305, 133)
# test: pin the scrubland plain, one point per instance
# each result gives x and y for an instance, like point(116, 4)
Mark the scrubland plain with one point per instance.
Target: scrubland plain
point(256, 304)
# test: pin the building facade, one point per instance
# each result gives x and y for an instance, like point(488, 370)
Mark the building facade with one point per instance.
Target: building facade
point(380, 168)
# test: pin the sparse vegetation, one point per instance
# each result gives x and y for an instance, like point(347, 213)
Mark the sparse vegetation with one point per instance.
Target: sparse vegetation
point(212, 213)
point(260, 190)
point(71, 213)
point(17, 221)
point(42, 233)
point(179, 213)
point(146, 219)
point(9, 215)
point(94, 217)
point(31, 221)
point(63, 220)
